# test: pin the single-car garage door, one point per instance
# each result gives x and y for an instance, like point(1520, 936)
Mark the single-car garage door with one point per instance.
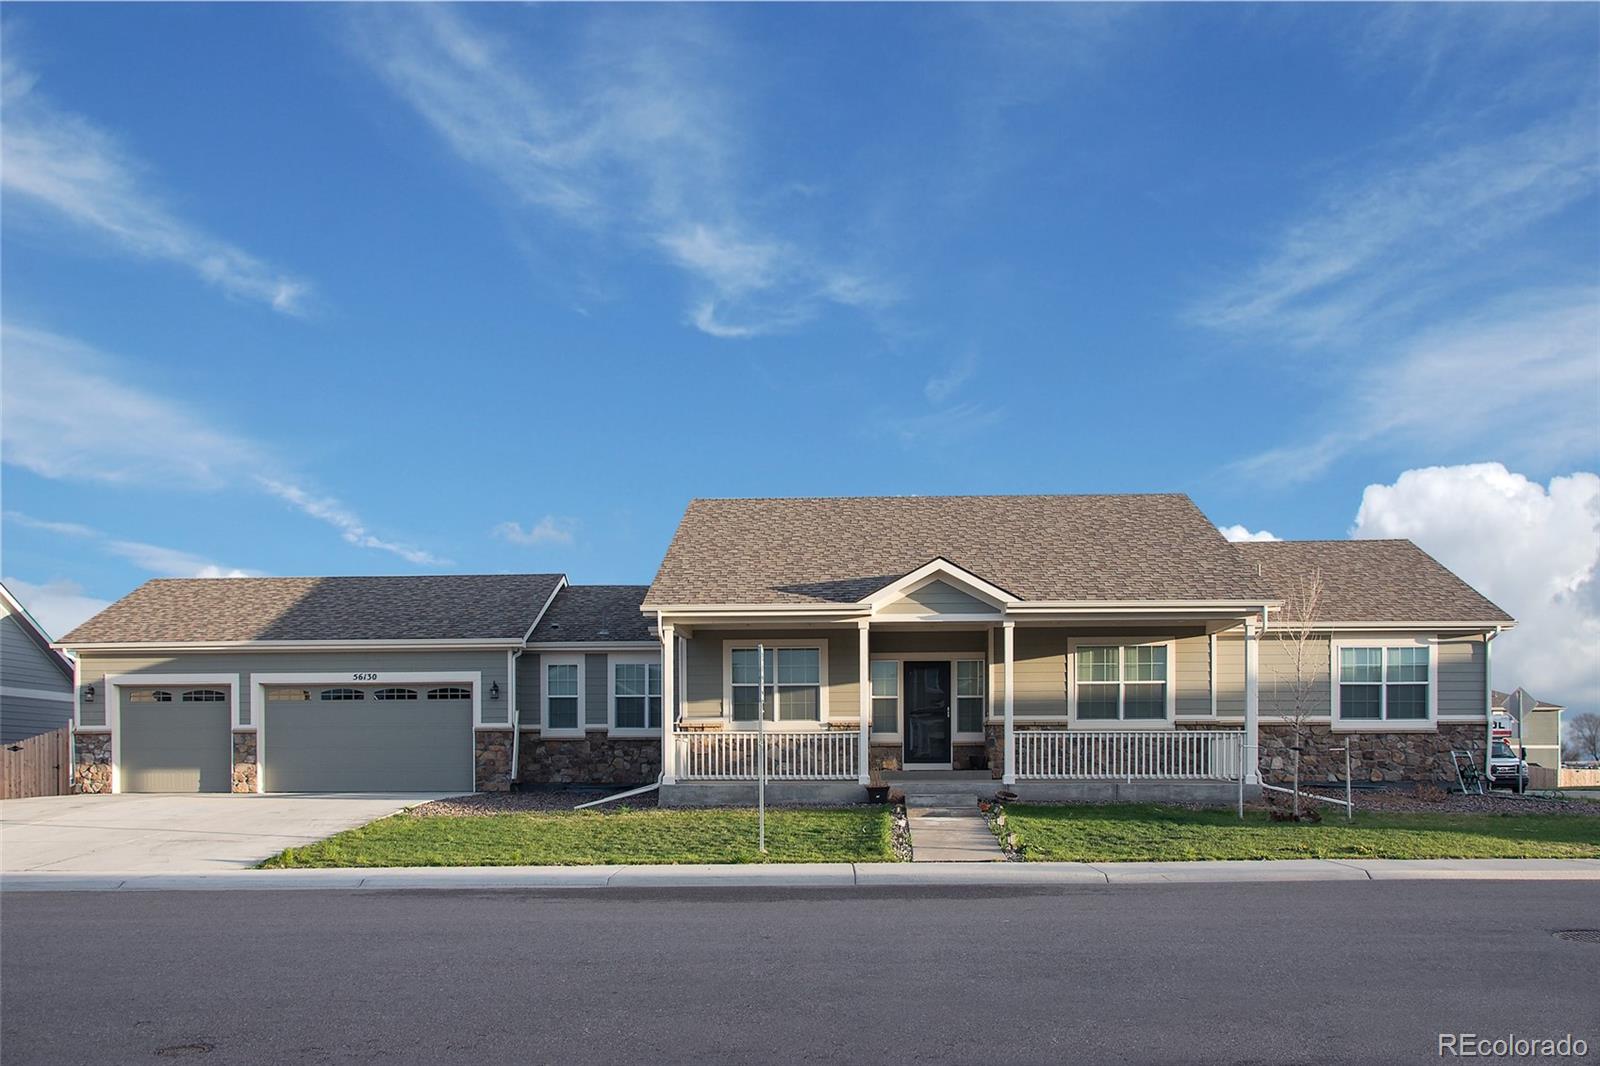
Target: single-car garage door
point(413, 738)
point(175, 740)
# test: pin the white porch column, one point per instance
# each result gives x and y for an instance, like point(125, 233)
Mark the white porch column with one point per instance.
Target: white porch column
point(1010, 772)
point(864, 743)
point(1252, 702)
point(669, 705)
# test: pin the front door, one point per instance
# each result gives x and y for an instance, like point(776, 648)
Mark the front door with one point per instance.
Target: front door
point(927, 738)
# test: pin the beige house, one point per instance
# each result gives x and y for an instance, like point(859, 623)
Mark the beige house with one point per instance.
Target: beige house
point(1534, 725)
point(1071, 646)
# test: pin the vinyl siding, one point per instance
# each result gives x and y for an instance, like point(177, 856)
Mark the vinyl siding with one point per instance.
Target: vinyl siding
point(1277, 677)
point(1461, 677)
point(596, 708)
point(492, 664)
point(24, 664)
point(704, 665)
point(22, 717)
point(1193, 697)
point(938, 597)
point(1041, 669)
point(1230, 675)
point(596, 694)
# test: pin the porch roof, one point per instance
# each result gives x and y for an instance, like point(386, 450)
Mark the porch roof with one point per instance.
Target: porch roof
point(1080, 549)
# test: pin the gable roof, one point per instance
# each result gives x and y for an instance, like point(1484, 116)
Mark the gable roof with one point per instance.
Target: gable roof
point(25, 621)
point(1041, 548)
point(1373, 580)
point(598, 613)
point(433, 607)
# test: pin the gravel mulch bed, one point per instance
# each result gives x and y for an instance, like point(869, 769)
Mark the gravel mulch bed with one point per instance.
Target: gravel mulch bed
point(1400, 801)
point(901, 836)
point(531, 802)
point(995, 815)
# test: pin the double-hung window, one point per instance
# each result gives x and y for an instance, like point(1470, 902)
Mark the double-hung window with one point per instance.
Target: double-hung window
point(885, 696)
point(1384, 683)
point(563, 694)
point(1121, 682)
point(793, 684)
point(969, 695)
point(635, 695)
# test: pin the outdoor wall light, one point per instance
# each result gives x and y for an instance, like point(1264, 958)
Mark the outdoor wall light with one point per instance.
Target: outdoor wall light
point(494, 690)
point(88, 694)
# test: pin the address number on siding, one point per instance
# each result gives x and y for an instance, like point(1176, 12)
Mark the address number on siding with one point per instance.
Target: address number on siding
point(363, 677)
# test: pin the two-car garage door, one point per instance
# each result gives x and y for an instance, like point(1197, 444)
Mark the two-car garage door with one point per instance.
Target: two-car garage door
point(413, 738)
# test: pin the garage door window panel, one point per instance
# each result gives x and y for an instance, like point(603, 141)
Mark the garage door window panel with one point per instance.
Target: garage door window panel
point(395, 694)
point(342, 695)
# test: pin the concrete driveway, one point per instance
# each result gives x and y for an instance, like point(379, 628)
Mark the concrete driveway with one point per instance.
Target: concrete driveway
point(126, 834)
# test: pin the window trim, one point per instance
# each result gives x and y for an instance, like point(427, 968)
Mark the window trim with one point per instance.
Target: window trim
point(823, 684)
point(545, 662)
point(1340, 724)
point(632, 658)
point(950, 657)
point(1119, 723)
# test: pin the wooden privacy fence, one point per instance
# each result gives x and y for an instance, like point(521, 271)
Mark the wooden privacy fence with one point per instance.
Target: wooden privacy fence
point(1547, 778)
point(37, 766)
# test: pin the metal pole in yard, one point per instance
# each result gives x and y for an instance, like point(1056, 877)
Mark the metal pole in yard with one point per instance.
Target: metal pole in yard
point(761, 747)
point(1349, 807)
point(1242, 747)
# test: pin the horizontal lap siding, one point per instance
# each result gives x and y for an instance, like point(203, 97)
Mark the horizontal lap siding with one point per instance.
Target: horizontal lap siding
point(24, 664)
point(1277, 676)
point(938, 598)
point(596, 689)
point(704, 664)
point(492, 664)
point(1041, 668)
point(1461, 677)
point(1230, 675)
point(22, 717)
point(529, 678)
point(1193, 675)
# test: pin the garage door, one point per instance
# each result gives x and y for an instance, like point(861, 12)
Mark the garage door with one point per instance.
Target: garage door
point(367, 739)
point(176, 740)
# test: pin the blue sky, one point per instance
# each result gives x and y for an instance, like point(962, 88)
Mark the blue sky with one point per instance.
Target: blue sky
point(342, 289)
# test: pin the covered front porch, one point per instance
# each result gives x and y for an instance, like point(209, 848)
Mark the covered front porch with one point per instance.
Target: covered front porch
point(944, 686)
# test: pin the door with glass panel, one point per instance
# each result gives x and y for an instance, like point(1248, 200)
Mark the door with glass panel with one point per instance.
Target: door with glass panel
point(927, 713)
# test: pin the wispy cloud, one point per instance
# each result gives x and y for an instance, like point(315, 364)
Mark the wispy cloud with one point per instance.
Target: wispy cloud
point(154, 558)
point(70, 413)
point(633, 137)
point(1538, 353)
point(1379, 243)
point(58, 605)
point(945, 384)
point(1238, 533)
point(65, 165)
point(547, 530)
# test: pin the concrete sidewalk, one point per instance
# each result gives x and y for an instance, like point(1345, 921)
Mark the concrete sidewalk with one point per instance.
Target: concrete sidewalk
point(821, 875)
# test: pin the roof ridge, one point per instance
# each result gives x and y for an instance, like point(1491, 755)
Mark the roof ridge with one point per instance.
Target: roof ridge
point(946, 496)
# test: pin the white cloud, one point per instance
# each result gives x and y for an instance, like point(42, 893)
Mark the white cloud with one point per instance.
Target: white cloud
point(547, 530)
point(1240, 533)
point(67, 412)
point(628, 136)
point(157, 559)
point(59, 606)
point(1533, 549)
point(1522, 373)
point(65, 165)
point(943, 386)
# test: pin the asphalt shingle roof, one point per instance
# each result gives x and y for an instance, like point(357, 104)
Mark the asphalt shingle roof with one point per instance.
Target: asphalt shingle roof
point(1373, 580)
point(596, 613)
point(838, 550)
point(437, 607)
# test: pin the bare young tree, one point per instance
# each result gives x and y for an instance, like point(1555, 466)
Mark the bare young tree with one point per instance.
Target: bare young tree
point(1297, 679)
point(1583, 734)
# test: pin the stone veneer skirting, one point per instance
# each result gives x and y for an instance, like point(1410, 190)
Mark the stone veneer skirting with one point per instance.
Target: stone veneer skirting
point(1376, 758)
point(595, 759)
point(244, 762)
point(91, 763)
point(491, 760)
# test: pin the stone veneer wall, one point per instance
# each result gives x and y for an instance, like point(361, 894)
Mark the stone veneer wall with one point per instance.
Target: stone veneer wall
point(969, 756)
point(883, 757)
point(91, 762)
point(596, 759)
point(244, 762)
point(491, 760)
point(1377, 758)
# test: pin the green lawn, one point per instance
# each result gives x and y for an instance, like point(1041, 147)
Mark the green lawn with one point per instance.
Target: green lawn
point(574, 839)
point(1164, 834)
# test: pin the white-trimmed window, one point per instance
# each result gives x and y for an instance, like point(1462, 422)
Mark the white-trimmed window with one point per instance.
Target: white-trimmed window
point(395, 694)
point(885, 675)
point(1387, 685)
point(343, 694)
point(1116, 682)
point(635, 694)
point(970, 697)
point(203, 695)
point(793, 683)
point(563, 693)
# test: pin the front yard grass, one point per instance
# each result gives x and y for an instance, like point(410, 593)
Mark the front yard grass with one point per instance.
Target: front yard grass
point(1148, 833)
point(580, 838)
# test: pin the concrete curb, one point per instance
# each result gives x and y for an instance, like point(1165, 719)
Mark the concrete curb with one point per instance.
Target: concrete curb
point(820, 875)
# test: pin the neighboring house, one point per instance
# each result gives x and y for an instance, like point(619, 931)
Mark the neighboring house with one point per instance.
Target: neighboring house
point(1535, 725)
point(35, 679)
point(1060, 644)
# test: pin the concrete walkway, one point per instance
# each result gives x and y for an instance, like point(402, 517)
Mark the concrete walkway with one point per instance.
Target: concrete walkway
point(825, 875)
point(950, 829)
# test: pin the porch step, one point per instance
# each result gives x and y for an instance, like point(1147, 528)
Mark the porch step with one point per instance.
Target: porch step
point(947, 828)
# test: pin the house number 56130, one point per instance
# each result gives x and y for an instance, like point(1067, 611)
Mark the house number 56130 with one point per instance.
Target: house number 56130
point(363, 677)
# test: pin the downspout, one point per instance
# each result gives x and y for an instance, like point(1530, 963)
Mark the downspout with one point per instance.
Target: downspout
point(515, 712)
point(1488, 698)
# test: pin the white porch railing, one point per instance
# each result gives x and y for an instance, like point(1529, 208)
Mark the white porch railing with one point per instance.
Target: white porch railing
point(732, 755)
point(1128, 755)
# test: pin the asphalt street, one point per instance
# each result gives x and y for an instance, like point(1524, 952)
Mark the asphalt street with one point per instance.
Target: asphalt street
point(1365, 972)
